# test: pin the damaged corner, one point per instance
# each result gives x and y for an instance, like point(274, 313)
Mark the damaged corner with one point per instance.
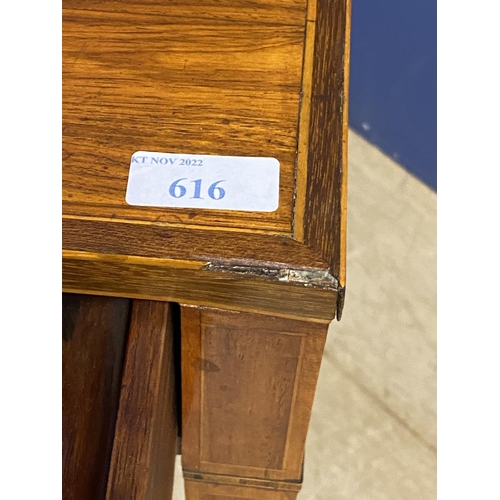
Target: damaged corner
point(316, 278)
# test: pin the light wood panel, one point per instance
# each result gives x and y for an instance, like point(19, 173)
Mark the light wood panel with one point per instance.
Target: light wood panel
point(162, 79)
point(248, 384)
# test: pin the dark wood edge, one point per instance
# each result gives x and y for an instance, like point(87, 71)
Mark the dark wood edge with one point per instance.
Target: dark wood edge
point(171, 243)
point(325, 172)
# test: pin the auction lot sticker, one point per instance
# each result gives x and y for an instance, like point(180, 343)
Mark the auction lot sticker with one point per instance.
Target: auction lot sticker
point(203, 181)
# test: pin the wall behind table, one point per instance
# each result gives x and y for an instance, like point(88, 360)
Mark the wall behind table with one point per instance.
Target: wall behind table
point(393, 81)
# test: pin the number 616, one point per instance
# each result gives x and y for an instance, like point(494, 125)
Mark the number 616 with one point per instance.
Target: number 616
point(215, 192)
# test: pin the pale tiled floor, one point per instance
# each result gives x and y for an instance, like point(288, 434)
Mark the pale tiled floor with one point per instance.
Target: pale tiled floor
point(373, 429)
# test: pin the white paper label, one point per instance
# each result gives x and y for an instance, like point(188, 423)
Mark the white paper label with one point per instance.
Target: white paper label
point(203, 181)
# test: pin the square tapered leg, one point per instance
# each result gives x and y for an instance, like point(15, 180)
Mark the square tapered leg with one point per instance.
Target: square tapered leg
point(248, 383)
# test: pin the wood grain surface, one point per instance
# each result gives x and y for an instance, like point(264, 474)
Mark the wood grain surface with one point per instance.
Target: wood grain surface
point(94, 338)
point(142, 463)
point(260, 78)
point(248, 383)
point(322, 215)
point(123, 276)
point(162, 78)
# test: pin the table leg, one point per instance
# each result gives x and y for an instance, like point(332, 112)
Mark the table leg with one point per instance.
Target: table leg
point(94, 340)
point(143, 458)
point(248, 383)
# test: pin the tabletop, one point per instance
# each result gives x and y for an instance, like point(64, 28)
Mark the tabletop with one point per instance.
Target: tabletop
point(254, 80)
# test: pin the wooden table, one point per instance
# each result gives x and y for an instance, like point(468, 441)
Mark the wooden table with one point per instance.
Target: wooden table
point(257, 289)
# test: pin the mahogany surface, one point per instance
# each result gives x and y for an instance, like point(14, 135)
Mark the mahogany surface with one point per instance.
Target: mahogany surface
point(248, 383)
point(94, 340)
point(142, 463)
point(260, 78)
